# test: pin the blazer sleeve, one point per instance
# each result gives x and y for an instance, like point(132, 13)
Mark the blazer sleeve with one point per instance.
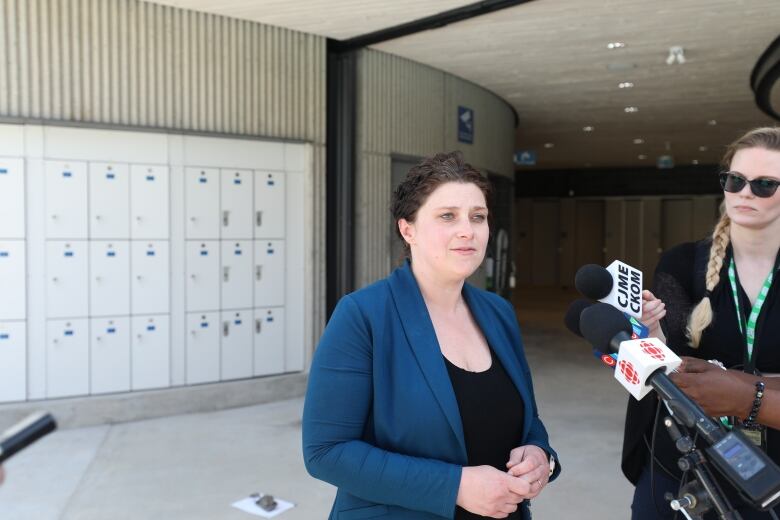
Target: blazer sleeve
point(538, 433)
point(335, 416)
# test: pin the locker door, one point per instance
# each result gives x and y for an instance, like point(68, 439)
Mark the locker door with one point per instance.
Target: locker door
point(237, 275)
point(110, 355)
point(149, 202)
point(202, 275)
point(269, 204)
point(109, 288)
point(150, 352)
point(66, 199)
point(109, 201)
point(67, 358)
point(269, 273)
point(13, 304)
point(236, 197)
point(269, 341)
point(237, 344)
point(67, 279)
point(150, 280)
point(12, 198)
point(13, 361)
point(202, 202)
point(202, 347)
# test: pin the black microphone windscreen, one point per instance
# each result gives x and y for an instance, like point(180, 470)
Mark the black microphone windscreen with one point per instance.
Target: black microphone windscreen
point(600, 323)
point(572, 317)
point(593, 281)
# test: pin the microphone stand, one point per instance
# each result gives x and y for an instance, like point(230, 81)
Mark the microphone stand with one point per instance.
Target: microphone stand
point(700, 495)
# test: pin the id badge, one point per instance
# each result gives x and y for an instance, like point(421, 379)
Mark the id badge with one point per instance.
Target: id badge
point(756, 436)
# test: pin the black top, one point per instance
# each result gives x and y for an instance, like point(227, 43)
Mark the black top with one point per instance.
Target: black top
point(491, 410)
point(679, 282)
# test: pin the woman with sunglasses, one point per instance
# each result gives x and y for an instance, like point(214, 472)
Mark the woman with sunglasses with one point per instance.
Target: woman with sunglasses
point(716, 299)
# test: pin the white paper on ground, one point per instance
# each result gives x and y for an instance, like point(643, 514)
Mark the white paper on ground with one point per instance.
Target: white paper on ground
point(248, 506)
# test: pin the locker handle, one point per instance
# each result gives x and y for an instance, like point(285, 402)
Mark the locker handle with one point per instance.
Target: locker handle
point(259, 218)
point(54, 217)
point(98, 278)
point(99, 338)
point(226, 328)
point(139, 277)
point(225, 217)
point(98, 217)
point(193, 276)
point(55, 279)
point(138, 218)
point(139, 336)
point(258, 325)
point(259, 272)
point(193, 219)
point(226, 273)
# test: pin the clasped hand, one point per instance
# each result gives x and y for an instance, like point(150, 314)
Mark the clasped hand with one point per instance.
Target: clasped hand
point(486, 491)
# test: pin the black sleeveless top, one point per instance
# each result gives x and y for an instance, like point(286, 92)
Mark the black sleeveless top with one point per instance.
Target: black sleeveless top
point(491, 410)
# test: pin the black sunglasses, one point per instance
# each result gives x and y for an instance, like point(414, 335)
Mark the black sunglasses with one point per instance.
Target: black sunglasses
point(733, 182)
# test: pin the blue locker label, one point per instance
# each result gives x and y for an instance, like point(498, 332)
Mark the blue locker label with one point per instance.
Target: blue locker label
point(204, 253)
point(67, 174)
point(69, 333)
point(4, 336)
point(150, 177)
point(269, 319)
point(236, 181)
point(203, 180)
point(110, 176)
point(237, 322)
point(204, 325)
point(111, 330)
point(238, 251)
point(111, 253)
point(270, 251)
point(150, 253)
point(151, 327)
point(3, 253)
point(68, 253)
point(3, 171)
point(270, 182)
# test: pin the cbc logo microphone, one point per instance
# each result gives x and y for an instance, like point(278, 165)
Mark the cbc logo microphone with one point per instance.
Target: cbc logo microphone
point(652, 351)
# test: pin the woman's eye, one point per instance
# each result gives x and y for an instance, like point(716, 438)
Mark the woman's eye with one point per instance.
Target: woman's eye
point(447, 216)
point(479, 217)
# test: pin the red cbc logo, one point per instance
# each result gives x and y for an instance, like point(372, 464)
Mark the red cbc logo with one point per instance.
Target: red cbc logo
point(627, 369)
point(652, 351)
point(608, 360)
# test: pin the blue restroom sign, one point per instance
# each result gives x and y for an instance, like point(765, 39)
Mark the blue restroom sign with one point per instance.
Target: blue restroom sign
point(465, 125)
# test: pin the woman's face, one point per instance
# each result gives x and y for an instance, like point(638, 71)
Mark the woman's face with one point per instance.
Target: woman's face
point(450, 231)
point(744, 208)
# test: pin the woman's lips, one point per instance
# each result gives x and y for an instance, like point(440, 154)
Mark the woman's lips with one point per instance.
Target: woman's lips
point(464, 250)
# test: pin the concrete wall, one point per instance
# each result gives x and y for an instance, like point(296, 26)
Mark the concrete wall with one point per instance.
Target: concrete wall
point(128, 64)
point(408, 109)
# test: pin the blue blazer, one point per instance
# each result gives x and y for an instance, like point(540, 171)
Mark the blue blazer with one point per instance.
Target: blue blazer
point(381, 421)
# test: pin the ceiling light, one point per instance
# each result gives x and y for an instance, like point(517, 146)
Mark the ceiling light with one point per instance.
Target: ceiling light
point(695, 162)
point(676, 55)
point(641, 157)
point(702, 148)
point(639, 140)
point(615, 45)
point(587, 128)
point(549, 145)
point(626, 84)
point(712, 122)
point(630, 110)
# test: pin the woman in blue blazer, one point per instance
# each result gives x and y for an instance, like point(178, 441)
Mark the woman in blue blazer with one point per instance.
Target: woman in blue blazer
point(420, 403)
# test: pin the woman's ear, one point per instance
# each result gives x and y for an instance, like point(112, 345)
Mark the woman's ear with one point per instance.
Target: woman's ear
point(407, 230)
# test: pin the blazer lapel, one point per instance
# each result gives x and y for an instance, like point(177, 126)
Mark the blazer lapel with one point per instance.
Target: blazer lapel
point(491, 327)
point(421, 336)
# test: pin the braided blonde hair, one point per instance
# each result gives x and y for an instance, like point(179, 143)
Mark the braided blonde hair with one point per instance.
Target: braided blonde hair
point(701, 317)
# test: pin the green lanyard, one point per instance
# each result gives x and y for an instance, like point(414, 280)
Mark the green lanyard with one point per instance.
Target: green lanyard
point(749, 329)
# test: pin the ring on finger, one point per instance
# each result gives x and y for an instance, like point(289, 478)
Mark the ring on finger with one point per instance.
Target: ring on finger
point(540, 484)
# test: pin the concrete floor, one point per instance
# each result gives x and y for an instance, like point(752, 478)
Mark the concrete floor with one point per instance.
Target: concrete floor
point(194, 466)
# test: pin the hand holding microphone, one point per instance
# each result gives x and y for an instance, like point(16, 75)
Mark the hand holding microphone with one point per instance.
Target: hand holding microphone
point(653, 310)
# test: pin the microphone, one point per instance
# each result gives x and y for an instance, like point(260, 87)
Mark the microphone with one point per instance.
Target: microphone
point(25, 433)
point(748, 468)
point(619, 285)
point(572, 321)
point(638, 359)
